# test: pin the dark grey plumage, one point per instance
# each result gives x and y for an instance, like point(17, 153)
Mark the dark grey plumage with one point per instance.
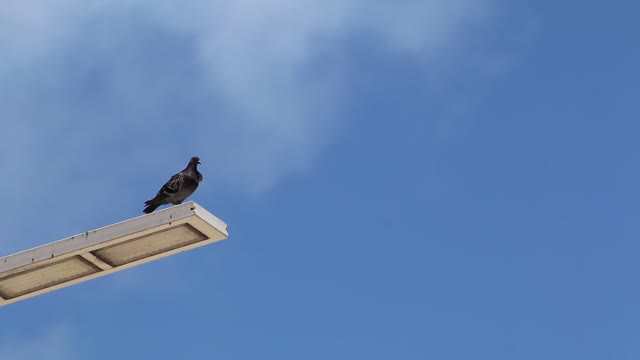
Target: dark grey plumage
point(178, 188)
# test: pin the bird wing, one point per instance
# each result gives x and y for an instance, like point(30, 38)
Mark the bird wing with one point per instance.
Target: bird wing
point(173, 185)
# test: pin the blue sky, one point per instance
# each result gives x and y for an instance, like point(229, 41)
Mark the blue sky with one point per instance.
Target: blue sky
point(434, 179)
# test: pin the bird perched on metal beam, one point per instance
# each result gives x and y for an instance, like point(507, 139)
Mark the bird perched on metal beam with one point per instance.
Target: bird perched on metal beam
point(178, 188)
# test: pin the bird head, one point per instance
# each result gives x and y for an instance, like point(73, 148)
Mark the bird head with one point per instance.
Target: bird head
point(195, 160)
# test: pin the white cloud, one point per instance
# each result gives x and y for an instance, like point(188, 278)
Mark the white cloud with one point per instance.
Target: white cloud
point(95, 93)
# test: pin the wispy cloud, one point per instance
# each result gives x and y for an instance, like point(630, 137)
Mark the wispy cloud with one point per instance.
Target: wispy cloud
point(96, 94)
point(54, 344)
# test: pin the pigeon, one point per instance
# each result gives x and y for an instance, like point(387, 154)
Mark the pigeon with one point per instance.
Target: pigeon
point(178, 188)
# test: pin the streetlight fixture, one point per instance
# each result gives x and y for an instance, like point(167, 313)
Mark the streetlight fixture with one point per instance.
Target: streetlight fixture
point(106, 250)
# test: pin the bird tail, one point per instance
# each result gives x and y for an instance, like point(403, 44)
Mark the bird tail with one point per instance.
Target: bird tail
point(151, 206)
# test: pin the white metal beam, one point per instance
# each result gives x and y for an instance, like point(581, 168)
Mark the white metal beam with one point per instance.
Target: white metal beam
point(106, 250)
